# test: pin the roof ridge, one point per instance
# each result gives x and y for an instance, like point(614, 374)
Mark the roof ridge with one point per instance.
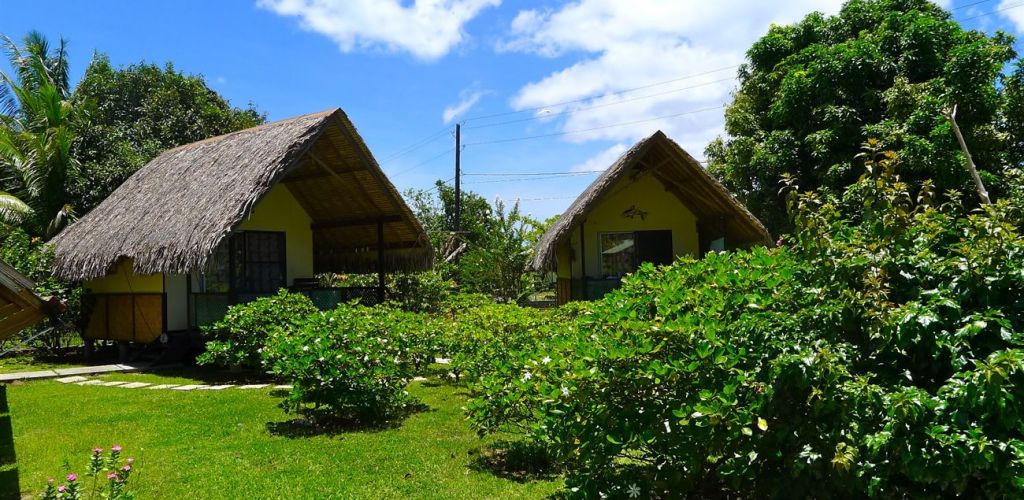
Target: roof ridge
point(325, 113)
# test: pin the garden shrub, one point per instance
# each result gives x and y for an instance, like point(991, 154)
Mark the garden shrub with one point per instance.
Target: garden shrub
point(348, 364)
point(475, 337)
point(33, 258)
point(238, 338)
point(879, 352)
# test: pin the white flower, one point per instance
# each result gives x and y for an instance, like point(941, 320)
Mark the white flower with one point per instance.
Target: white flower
point(633, 491)
point(667, 427)
point(565, 391)
point(527, 376)
point(546, 360)
point(305, 348)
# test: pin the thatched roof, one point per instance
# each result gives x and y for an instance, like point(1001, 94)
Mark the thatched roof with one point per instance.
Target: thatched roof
point(170, 215)
point(681, 175)
point(20, 307)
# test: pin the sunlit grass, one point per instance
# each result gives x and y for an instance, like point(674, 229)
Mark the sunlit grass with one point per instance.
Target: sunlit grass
point(236, 444)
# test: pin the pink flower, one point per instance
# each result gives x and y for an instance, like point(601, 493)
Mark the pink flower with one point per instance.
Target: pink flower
point(49, 480)
point(131, 460)
point(112, 476)
point(72, 477)
point(61, 488)
point(116, 448)
point(126, 468)
point(97, 450)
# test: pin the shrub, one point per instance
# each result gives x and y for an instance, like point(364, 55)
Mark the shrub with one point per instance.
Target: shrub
point(476, 337)
point(878, 353)
point(109, 479)
point(344, 364)
point(237, 339)
point(33, 258)
point(420, 292)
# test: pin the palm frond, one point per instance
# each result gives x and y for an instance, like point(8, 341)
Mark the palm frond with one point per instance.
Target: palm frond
point(12, 209)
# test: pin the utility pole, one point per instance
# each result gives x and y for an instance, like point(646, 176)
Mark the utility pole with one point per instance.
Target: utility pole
point(458, 177)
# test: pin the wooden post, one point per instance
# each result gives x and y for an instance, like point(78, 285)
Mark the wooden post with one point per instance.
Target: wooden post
point(380, 262)
point(583, 262)
point(458, 177)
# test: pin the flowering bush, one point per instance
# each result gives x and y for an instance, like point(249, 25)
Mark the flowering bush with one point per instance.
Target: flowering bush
point(236, 340)
point(346, 363)
point(106, 477)
point(880, 352)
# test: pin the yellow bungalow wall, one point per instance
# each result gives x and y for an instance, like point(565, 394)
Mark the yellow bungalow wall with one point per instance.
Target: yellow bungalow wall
point(647, 194)
point(278, 211)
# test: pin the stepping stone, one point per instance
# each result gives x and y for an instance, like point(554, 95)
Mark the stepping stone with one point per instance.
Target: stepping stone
point(135, 385)
point(189, 387)
point(70, 380)
point(418, 379)
point(90, 382)
point(442, 361)
point(163, 386)
point(253, 386)
point(217, 387)
point(288, 387)
point(112, 384)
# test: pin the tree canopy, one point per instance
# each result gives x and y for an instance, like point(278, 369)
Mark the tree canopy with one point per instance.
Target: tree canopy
point(137, 112)
point(811, 93)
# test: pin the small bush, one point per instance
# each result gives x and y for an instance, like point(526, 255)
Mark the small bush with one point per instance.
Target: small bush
point(238, 338)
point(106, 477)
point(346, 364)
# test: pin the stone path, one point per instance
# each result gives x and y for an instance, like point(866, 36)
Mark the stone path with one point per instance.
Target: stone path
point(70, 372)
point(80, 380)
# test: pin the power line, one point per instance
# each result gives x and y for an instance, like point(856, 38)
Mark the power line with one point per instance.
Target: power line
point(1004, 9)
point(969, 5)
point(517, 174)
point(579, 131)
point(413, 147)
point(424, 162)
point(583, 99)
point(603, 105)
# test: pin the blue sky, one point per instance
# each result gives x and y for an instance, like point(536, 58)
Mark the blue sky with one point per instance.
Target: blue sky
point(556, 74)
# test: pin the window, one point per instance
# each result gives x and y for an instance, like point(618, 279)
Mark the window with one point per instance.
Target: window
point(622, 252)
point(618, 254)
point(250, 262)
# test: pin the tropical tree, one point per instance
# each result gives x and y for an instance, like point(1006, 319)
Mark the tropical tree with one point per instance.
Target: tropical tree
point(811, 93)
point(36, 135)
point(135, 113)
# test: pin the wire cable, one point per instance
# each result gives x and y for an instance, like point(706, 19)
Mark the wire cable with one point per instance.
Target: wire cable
point(580, 131)
point(1004, 9)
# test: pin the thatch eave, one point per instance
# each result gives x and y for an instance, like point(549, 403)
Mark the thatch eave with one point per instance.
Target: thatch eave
point(545, 255)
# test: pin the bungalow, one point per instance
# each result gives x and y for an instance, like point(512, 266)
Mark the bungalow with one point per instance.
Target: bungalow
point(227, 219)
point(20, 307)
point(654, 204)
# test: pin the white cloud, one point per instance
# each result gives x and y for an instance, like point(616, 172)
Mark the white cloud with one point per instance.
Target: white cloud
point(467, 99)
point(427, 29)
point(601, 160)
point(624, 45)
point(1013, 12)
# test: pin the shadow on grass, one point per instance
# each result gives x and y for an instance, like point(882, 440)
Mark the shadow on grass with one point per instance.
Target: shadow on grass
point(322, 424)
point(519, 461)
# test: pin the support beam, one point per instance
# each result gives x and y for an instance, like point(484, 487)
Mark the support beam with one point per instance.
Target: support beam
point(380, 262)
point(355, 221)
point(315, 176)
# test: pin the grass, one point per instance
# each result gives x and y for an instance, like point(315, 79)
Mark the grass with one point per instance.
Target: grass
point(28, 363)
point(239, 444)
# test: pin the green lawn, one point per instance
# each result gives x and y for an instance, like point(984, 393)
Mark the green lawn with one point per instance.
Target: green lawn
point(28, 363)
point(220, 444)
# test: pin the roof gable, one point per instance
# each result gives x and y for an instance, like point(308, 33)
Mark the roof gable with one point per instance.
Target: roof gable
point(681, 175)
point(171, 214)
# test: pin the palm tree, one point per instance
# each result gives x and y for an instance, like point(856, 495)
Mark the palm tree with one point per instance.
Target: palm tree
point(36, 134)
